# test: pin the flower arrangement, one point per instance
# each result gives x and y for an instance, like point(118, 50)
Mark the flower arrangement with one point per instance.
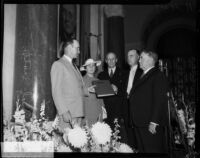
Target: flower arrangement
point(97, 138)
point(186, 121)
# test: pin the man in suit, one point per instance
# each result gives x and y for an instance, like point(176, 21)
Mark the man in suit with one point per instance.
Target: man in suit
point(68, 89)
point(148, 106)
point(130, 78)
point(113, 103)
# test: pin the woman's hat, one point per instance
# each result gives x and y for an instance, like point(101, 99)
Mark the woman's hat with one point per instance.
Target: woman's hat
point(90, 61)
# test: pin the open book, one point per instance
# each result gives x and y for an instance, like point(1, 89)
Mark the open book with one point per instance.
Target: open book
point(103, 88)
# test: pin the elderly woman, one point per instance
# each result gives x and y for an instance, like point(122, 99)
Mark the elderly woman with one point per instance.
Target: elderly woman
point(94, 107)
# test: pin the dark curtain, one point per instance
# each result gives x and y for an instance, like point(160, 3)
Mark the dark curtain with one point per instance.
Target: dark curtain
point(182, 74)
point(84, 34)
point(115, 38)
point(67, 25)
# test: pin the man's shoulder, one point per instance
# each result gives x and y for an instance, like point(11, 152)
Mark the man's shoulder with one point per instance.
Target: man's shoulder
point(158, 73)
point(59, 63)
point(102, 72)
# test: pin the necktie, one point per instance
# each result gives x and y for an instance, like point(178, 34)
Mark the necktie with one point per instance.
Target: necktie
point(75, 66)
point(78, 72)
point(111, 73)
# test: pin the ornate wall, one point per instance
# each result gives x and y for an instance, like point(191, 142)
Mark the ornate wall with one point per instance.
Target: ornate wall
point(35, 51)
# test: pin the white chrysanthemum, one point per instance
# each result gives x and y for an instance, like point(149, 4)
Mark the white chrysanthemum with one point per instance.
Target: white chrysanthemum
point(47, 125)
point(77, 137)
point(19, 116)
point(101, 132)
point(8, 136)
point(63, 148)
point(55, 122)
point(125, 148)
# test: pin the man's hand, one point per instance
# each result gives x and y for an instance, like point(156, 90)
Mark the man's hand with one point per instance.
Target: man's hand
point(152, 128)
point(91, 89)
point(114, 88)
point(67, 117)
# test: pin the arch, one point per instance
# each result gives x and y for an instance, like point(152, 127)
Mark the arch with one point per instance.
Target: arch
point(166, 20)
point(182, 23)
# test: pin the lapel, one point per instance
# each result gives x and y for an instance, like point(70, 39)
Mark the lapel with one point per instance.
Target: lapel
point(138, 73)
point(143, 79)
point(114, 73)
point(107, 74)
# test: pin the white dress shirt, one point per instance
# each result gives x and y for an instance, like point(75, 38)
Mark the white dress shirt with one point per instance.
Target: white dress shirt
point(113, 70)
point(68, 58)
point(148, 69)
point(131, 78)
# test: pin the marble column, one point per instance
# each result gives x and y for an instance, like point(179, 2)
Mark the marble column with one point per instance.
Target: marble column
point(8, 59)
point(35, 51)
point(115, 32)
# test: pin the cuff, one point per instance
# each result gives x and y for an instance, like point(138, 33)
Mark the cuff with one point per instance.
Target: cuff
point(154, 123)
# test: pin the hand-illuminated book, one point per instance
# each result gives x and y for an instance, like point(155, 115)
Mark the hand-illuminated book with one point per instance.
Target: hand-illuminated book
point(103, 88)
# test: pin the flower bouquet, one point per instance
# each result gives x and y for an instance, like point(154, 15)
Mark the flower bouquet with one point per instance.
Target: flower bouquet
point(185, 132)
point(97, 138)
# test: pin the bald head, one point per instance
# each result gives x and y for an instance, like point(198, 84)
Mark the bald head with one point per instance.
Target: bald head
point(111, 59)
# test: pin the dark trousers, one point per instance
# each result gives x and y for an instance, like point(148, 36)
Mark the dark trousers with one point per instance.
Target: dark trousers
point(131, 139)
point(150, 143)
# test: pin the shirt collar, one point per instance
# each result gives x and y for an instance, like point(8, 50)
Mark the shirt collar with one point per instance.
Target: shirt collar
point(134, 67)
point(148, 69)
point(113, 69)
point(68, 58)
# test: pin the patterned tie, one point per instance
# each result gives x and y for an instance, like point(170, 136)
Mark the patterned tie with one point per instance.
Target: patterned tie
point(74, 64)
point(78, 72)
point(111, 73)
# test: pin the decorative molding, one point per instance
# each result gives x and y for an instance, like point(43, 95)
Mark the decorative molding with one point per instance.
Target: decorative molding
point(165, 15)
point(113, 10)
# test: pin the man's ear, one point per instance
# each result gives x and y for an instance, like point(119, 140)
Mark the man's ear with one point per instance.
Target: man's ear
point(106, 61)
point(116, 60)
point(70, 46)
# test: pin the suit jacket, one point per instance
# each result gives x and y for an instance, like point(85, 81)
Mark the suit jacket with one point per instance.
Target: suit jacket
point(68, 89)
point(138, 73)
point(126, 106)
point(113, 103)
point(148, 99)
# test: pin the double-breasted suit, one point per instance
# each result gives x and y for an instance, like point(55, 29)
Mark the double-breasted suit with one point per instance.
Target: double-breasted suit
point(126, 106)
point(148, 103)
